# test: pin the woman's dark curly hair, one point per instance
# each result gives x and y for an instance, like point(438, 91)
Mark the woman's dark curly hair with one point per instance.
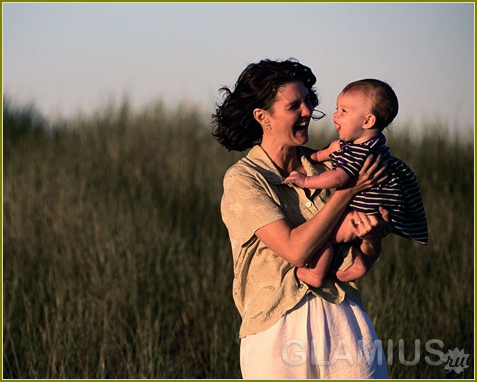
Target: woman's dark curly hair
point(234, 124)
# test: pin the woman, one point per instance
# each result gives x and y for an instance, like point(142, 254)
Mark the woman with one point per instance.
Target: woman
point(290, 330)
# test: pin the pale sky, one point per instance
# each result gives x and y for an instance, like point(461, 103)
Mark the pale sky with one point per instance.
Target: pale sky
point(68, 58)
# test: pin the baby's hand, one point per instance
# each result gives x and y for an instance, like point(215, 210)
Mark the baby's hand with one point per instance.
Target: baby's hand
point(296, 178)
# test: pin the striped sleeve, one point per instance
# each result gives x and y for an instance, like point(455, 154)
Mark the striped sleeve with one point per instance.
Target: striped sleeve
point(350, 158)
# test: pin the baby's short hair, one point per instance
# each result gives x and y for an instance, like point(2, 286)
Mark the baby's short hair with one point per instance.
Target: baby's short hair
point(385, 102)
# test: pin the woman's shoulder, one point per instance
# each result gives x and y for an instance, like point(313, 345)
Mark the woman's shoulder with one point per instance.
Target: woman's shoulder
point(255, 162)
point(240, 175)
point(240, 167)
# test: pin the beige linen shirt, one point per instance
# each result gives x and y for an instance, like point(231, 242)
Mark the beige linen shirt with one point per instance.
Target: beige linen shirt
point(265, 286)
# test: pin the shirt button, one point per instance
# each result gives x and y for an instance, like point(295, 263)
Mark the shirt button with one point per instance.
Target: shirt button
point(309, 204)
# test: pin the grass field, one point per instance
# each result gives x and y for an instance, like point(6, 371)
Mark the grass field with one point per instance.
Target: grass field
point(116, 263)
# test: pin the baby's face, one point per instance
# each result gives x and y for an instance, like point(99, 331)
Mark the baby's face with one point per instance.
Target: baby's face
point(352, 112)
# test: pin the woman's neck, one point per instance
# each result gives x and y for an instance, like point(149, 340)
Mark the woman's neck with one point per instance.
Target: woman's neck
point(285, 158)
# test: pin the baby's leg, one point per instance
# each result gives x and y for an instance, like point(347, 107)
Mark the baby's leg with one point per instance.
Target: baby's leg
point(314, 275)
point(357, 270)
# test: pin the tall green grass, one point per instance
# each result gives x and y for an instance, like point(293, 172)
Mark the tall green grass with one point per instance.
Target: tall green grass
point(116, 263)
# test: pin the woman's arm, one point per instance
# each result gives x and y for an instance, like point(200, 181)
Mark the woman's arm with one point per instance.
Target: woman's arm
point(298, 244)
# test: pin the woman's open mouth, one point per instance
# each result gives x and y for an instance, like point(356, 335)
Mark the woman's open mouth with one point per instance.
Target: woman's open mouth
point(301, 126)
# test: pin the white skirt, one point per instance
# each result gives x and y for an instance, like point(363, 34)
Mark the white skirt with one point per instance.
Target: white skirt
point(316, 339)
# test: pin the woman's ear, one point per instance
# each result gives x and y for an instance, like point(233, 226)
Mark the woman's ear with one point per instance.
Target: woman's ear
point(369, 121)
point(260, 116)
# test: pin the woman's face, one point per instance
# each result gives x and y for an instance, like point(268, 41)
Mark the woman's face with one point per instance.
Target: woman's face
point(290, 115)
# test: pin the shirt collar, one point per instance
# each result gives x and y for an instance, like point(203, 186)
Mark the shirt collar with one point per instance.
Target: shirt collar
point(377, 140)
point(259, 159)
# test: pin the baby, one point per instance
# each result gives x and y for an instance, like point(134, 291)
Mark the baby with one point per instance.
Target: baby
point(364, 109)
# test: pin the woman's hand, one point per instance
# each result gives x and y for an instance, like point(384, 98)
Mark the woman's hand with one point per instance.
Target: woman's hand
point(372, 174)
point(370, 227)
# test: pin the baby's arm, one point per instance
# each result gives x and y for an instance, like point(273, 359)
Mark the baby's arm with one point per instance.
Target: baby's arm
point(324, 155)
point(329, 179)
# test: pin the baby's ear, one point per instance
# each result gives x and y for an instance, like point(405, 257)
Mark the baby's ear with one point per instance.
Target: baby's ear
point(369, 121)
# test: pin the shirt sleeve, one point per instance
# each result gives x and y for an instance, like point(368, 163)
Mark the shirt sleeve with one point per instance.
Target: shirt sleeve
point(350, 159)
point(247, 204)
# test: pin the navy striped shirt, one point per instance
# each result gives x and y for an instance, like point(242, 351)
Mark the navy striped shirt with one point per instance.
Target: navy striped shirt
point(400, 194)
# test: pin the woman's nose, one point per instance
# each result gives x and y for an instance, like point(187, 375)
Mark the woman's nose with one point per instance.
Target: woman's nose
point(307, 109)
